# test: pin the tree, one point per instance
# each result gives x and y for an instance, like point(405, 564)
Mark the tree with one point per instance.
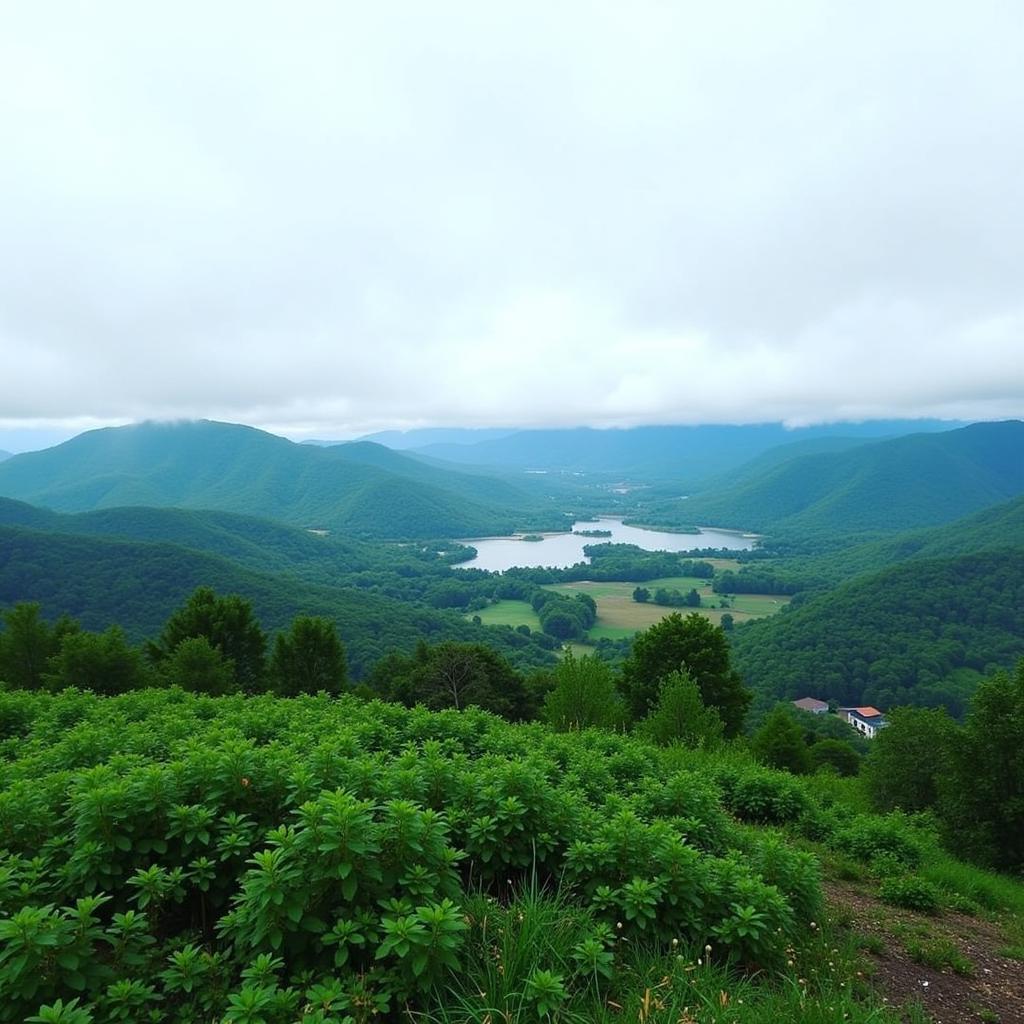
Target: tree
point(982, 796)
point(27, 643)
point(227, 623)
point(906, 758)
point(642, 595)
point(196, 665)
point(726, 622)
point(779, 743)
point(680, 716)
point(101, 662)
point(692, 598)
point(700, 647)
point(583, 695)
point(453, 675)
point(308, 658)
point(835, 754)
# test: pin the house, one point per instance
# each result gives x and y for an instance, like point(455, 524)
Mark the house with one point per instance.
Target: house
point(866, 720)
point(812, 704)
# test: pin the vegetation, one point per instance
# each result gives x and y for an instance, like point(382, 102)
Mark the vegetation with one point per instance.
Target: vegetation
point(694, 644)
point(362, 489)
point(882, 487)
point(922, 633)
point(971, 776)
point(101, 582)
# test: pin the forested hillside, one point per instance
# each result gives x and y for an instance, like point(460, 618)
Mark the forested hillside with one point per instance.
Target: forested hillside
point(363, 490)
point(884, 487)
point(101, 581)
point(1000, 526)
point(920, 633)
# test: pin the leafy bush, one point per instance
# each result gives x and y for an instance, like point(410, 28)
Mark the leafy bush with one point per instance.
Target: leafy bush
point(868, 837)
point(911, 892)
point(239, 858)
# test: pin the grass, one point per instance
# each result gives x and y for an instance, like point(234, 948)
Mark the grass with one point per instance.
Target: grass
point(619, 616)
point(540, 933)
point(508, 613)
point(939, 953)
point(997, 893)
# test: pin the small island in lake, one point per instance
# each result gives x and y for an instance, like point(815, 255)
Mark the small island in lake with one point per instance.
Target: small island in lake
point(592, 533)
point(533, 538)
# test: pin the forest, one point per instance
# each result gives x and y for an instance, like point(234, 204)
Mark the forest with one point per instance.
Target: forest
point(255, 771)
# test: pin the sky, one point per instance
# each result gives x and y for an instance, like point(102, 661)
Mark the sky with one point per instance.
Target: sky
point(329, 218)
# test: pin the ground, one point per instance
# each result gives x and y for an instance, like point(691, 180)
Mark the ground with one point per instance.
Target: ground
point(619, 616)
point(975, 982)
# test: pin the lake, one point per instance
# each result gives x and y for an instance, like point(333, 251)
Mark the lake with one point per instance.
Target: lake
point(559, 550)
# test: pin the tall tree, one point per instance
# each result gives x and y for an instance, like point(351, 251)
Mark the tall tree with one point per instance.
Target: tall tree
point(453, 675)
point(101, 662)
point(196, 665)
point(584, 694)
point(228, 623)
point(27, 643)
point(983, 794)
point(308, 658)
point(692, 643)
point(680, 715)
point(779, 743)
point(908, 756)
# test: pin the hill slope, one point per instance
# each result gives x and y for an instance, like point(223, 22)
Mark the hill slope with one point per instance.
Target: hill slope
point(686, 454)
point(100, 581)
point(919, 633)
point(361, 489)
point(887, 486)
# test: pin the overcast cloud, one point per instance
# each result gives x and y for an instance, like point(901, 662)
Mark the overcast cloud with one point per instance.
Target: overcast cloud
point(327, 217)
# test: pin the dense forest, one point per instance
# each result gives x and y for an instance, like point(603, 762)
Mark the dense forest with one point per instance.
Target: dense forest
point(920, 633)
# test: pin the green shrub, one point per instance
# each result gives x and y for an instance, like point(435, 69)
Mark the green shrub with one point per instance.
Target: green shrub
point(868, 837)
point(911, 892)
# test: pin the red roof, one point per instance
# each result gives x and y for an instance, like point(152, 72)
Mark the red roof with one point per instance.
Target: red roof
point(868, 712)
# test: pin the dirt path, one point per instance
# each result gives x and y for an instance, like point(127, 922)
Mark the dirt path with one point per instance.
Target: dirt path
point(993, 991)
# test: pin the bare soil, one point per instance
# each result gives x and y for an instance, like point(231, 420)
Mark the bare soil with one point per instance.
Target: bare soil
point(994, 991)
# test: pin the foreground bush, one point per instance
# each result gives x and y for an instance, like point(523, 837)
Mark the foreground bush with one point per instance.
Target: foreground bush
point(175, 857)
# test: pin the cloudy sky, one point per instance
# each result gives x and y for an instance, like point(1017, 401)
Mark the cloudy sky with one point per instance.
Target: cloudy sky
point(332, 217)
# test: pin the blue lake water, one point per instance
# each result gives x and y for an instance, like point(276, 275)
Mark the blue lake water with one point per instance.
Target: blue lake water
point(559, 550)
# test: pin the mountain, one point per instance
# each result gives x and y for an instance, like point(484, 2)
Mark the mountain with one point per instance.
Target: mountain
point(101, 581)
point(259, 544)
point(886, 486)
point(922, 632)
point(361, 489)
point(1000, 526)
point(403, 440)
point(687, 454)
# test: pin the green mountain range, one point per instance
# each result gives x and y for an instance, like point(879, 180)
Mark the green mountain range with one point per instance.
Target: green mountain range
point(361, 489)
point(883, 487)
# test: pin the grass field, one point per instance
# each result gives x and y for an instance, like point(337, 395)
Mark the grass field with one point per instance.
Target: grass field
point(508, 613)
point(619, 616)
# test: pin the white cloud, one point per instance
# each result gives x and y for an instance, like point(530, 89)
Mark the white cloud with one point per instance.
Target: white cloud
point(329, 218)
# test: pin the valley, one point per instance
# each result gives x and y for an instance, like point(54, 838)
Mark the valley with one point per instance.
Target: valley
point(345, 633)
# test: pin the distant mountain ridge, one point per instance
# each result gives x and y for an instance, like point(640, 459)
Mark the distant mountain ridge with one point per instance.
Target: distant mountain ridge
point(886, 486)
point(688, 454)
point(362, 489)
